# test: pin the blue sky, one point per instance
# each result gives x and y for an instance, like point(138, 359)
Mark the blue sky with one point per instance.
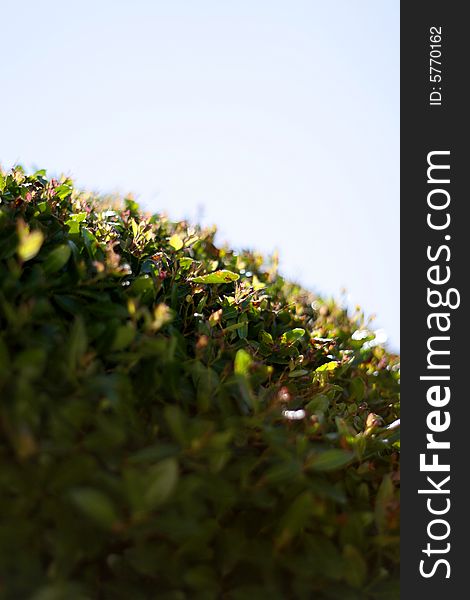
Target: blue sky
point(277, 121)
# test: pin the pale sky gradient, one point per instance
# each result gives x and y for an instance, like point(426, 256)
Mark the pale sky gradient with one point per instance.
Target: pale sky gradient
point(281, 119)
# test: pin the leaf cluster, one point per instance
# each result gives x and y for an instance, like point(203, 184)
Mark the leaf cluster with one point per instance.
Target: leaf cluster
point(179, 421)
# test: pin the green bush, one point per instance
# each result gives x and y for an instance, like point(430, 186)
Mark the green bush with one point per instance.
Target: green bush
point(177, 420)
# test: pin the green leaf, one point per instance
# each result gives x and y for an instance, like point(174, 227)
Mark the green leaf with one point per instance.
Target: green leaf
point(57, 258)
point(123, 337)
point(74, 227)
point(176, 242)
point(176, 422)
point(355, 571)
point(95, 505)
point(64, 190)
point(266, 338)
point(290, 337)
point(186, 262)
point(132, 206)
point(143, 287)
point(234, 327)
point(243, 362)
point(135, 228)
point(222, 276)
point(296, 517)
point(77, 344)
point(243, 330)
point(77, 217)
point(73, 222)
point(29, 242)
point(382, 502)
point(298, 373)
point(330, 460)
point(329, 366)
point(357, 389)
point(318, 405)
point(162, 480)
point(90, 241)
point(282, 472)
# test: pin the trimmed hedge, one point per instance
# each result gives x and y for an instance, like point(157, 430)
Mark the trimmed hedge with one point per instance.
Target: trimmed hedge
point(177, 420)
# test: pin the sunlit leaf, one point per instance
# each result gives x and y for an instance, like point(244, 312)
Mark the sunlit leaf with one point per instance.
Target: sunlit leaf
point(221, 276)
point(176, 242)
point(329, 366)
point(243, 362)
point(290, 337)
point(30, 242)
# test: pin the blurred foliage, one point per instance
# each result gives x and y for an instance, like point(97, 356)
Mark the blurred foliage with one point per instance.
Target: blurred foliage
point(177, 420)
